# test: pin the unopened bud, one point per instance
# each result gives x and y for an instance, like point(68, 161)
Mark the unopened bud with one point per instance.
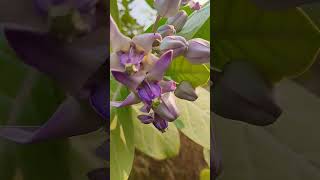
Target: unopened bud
point(167, 109)
point(198, 51)
point(241, 93)
point(160, 123)
point(184, 2)
point(167, 8)
point(179, 20)
point(176, 43)
point(166, 30)
point(186, 91)
point(194, 5)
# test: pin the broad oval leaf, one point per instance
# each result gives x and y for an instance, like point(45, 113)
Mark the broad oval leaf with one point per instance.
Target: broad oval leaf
point(152, 142)
point(195, 117)
point(205, 174)
point(182, 70)
point(121, 135)
point(280, 43)
point(195, 21)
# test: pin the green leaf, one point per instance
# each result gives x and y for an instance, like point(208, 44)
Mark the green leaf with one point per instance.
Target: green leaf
point(150, 2)
point(206, 155)
point(121, 135)
point(195, 22)
point(204, 31)
point(114, 11)
point(288, 149)
point(313, 11)
point(205, 174)
point(182, 70)
point(29, 98)
point(280, 43)
point(195, 117)
point(152, 142)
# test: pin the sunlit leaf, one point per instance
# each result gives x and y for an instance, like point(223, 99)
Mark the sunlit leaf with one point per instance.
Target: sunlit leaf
point(121, 135)
point(182, 70)
point(280, 43)
point(152, 142)
point(195, 117)
point(195, 21)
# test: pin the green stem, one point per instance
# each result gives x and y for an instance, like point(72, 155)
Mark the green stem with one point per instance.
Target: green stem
point(155, 25)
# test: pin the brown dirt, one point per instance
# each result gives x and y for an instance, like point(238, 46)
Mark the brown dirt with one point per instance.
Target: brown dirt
point(186, 166)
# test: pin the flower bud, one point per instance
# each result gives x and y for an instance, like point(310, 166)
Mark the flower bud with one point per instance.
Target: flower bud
point(198, 51)
point(167, 86)
point(166, 30)
point(160, 123)
point(167, 8)
point(194, 5)
point(186, 91)
point(167, 109)
point(184, 2)
point(240, 93)
point(145, 119)
point(179, 20)
point(176, 43)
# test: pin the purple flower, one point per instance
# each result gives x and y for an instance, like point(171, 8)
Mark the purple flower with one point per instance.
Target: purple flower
point(179, 20)
point(234, 99)
point(158, 122)
point(198, 51)
point(148, 91)
point(153, 91)
point(166, 30)
point(77, 64)
point(178, 44)
point(150, 84)
point(74, 55)
point(130, 55)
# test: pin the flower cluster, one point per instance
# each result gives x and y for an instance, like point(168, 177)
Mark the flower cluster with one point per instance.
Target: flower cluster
point(140, 64)
point(67, 41)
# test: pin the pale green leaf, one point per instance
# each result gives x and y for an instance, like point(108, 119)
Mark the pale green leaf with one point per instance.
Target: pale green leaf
point(152, 142)
point(195, 21)
point(195, 117)
point(182, 70)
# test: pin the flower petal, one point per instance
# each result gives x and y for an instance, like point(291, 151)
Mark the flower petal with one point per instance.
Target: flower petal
point(167, 86)
point(69, 64)
point(145, 119)
point(158, 70)
point(167, 109)
point(99, 99)
point(160, 123)
point(118, 41)
point(99, 174)
point(21, 13)
point(72, 118)
point(132, 81)
point(131, 99)
point(115, 64)
point(145, 41)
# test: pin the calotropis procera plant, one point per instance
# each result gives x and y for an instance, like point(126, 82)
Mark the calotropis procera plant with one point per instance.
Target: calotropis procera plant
point(134, 65)
point(158, 80)
point(247, 66)
point(67, 41)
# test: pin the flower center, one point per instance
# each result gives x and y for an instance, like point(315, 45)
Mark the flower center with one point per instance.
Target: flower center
point(131, 60)
point(66, 18)
point(149, 91)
